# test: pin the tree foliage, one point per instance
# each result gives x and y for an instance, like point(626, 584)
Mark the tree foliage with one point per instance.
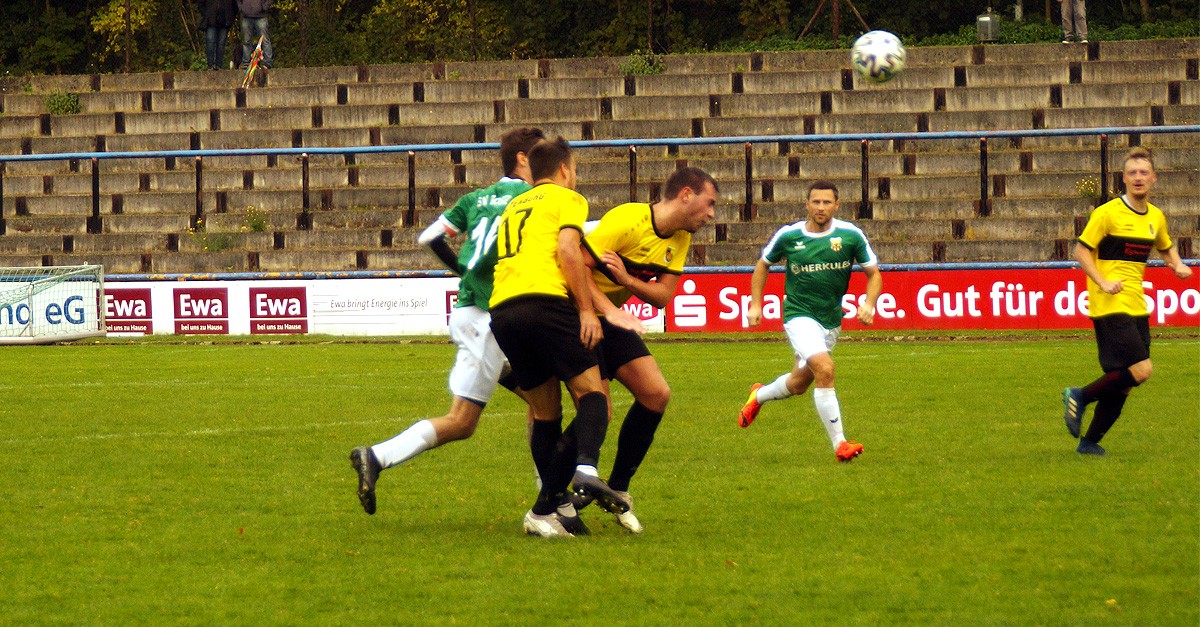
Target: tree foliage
point(77, 36)
point(110, 24)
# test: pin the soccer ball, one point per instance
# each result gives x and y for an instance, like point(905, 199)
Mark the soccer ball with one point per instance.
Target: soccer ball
point(878, 56)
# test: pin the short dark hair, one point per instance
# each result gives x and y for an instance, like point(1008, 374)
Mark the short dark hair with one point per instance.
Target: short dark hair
point(822, 184)
point(1137, 152)
point(546, 156)
point(516, 141)
point(689, 177)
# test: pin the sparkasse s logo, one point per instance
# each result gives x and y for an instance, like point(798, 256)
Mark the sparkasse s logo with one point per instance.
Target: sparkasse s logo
point(279, 309)
point(690, 308)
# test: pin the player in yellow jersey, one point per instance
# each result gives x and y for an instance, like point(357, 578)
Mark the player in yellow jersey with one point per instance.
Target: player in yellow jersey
point(638, 249)
point(545, 322)
point(1112, 250)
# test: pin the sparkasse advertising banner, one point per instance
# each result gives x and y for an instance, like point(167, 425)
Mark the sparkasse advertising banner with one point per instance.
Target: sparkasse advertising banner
point(1053, 298)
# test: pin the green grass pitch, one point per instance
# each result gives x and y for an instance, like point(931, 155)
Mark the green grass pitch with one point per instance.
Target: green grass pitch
point(148, 482)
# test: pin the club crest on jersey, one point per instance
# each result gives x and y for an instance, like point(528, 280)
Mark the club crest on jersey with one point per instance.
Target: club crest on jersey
point(1151, 230)
point(835, 244)
point(669, 255)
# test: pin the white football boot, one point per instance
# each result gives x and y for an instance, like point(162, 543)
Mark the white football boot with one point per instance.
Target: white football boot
point(547, 526)
point(627, 519)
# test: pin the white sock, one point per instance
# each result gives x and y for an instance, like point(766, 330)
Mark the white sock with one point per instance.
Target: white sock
point(412, 442)
point(831, 414)
point(774, 391)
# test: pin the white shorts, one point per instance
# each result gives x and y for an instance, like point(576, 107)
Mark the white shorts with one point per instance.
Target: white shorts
point(479, 361)
point(808, 338)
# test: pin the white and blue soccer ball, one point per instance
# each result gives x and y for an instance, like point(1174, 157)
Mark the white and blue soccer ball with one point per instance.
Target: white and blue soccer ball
point(877, 56)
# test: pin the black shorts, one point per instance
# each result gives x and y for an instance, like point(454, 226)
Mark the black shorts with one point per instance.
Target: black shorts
point(1123, 340)
point(540, 337)
point(620, 346)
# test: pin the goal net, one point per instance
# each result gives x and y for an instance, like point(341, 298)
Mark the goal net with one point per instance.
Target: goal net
point(51, 304)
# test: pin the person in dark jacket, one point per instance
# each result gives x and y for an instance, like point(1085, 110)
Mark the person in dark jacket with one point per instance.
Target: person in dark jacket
point(216, 17)
point(254, 25)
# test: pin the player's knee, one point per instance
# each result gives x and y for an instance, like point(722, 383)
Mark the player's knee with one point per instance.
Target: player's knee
point(823, 374)
point(1141, 371)
point(458, 428)
point(656, 399)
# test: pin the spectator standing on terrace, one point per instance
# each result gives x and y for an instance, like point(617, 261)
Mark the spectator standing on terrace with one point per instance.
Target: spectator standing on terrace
point(479, 361)
point(819, 254)
point(1112, 251)
point(1074, 20)
point(216, 18)
point(254, 25)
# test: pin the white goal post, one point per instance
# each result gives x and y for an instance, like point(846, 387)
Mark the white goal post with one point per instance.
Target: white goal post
point(42, 305)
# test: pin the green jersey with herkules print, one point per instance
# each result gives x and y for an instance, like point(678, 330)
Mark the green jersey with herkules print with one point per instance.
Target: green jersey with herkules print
point(477, 214)
point(818, 268)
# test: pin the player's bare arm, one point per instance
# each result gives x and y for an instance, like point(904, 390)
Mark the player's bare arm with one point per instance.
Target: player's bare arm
point(758, 284)
point(1084, 256)
point(614, 314)
point(866, 313)
point(657, 292)
point(1171, 256)
point(570, 259)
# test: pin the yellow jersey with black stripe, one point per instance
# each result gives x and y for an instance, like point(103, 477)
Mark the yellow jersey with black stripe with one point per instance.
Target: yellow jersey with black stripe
point(629, 231)
point(527, 242)
point(1121, 239)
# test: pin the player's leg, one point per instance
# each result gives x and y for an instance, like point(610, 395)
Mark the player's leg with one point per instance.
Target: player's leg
point(525, 331)
point(457, 424)
point(477, 366)
point(1123, 346)
point(555, 340)
point(805, 337)
point(1126, 340)
point(545, 404)
point(423, 435)
point(541, 391)
point(814, 345)
point(626, 358)
point(825, 397)
point(643, 378)
point(590, 425)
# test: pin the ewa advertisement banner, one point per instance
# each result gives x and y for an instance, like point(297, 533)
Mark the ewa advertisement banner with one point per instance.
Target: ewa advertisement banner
point(704, 302)
point(386, 306)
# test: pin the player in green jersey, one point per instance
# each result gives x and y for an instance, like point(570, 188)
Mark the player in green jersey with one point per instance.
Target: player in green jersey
point(818, 255)
point(479, 361)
